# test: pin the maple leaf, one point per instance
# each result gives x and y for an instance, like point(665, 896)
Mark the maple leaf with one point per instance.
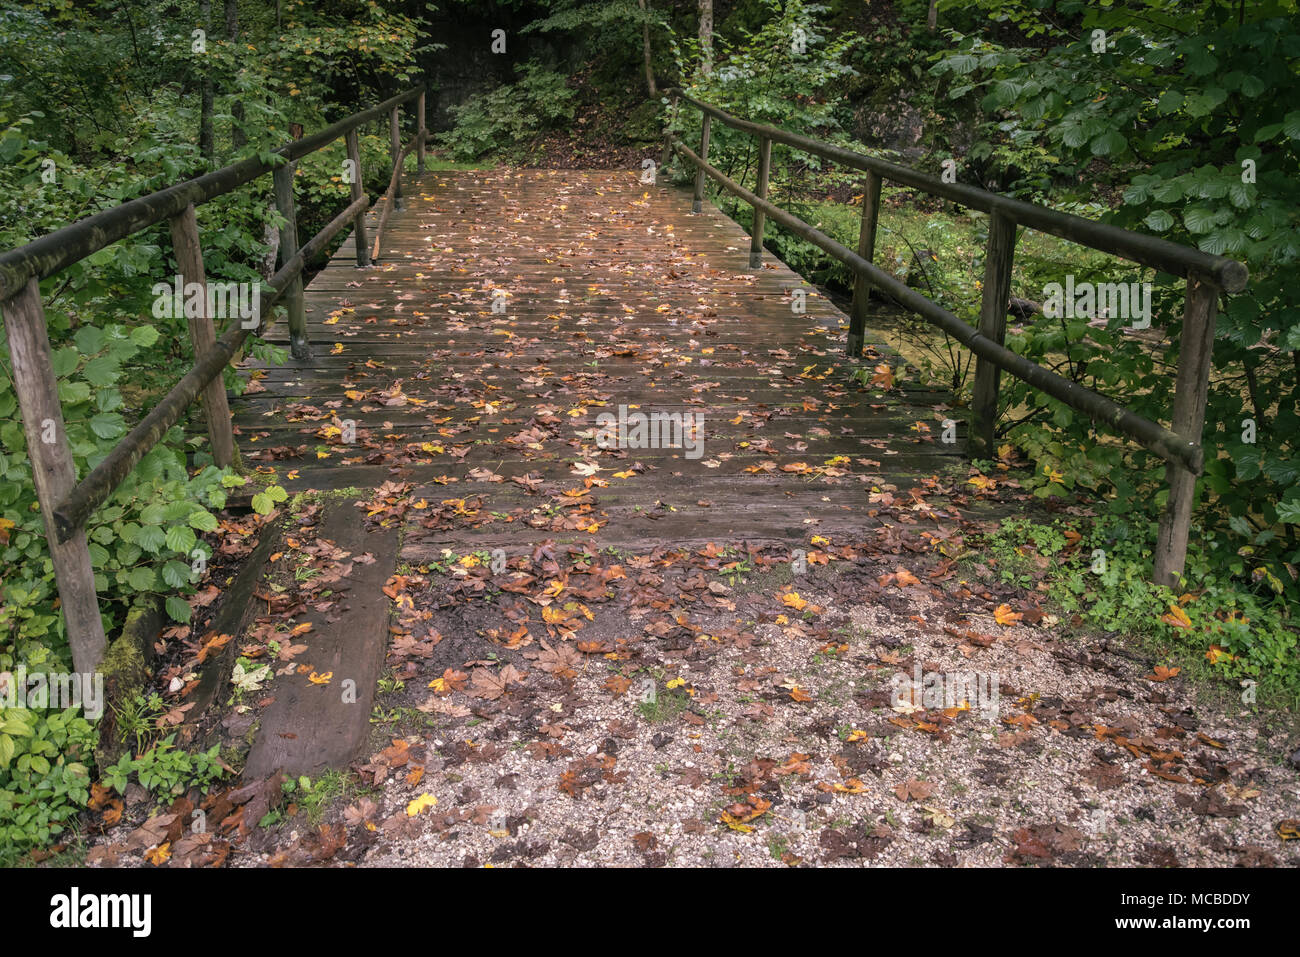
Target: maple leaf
point(562, 661)
point(159, 855)
point(914, 790)
point(1161, 673)
point(1005, 617)
point(617, 685)
point(792, 600)
point(422, 803)
point(486, 684)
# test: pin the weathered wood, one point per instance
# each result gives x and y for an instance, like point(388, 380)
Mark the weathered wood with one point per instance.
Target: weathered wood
point(867, 250)
point(1151, 435)
point(358, 191)
point(1170, 257)
point(299, 346)
point(395, 150)
point(60, 249)
point(420, 134)
point(1196, 351)
point(667, 151)
point(53, 472)
point(756, 233)
point(999, 253)
point(390, 201)
point(203, 336)
point(95, 488)
point(698, 204)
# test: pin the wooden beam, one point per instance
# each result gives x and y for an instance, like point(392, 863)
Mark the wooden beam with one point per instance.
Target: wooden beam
point(203, 336)
point(867, 250)
point(1170, 257)
point(1195, 354)
point(999, 253)
point(697, 204)
point(58, 250)
point(94, 489)
point(53, 472)
point(667, 152)
point(283, 182)
point(358, 190)
point(1150, 435)
point(756, 233)
point(395, 150)
point(421, 133)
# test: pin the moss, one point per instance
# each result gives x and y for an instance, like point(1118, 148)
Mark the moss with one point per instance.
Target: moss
point(126, 670)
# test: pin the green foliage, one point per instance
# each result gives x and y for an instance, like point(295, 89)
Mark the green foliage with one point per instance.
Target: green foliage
point(1102, 573)
point(1191, 109)
point(44, 780)
point(165, 771)
point(505, 120)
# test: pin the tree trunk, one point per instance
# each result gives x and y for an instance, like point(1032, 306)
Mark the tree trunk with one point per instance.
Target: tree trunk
point(206, 143)
point(706, 37)
point(237, 138)
point(645, 49)
point(932, 18)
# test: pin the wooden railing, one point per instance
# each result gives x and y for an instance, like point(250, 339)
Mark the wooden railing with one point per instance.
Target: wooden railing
point(67, 504)
point(1207, 277)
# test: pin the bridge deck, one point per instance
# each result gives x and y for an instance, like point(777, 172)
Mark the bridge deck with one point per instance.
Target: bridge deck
point(614, 294)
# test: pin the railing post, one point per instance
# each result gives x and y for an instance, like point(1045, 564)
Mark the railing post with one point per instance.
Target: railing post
point(420, 133)
point(395, 143)
point(667, 153)
point(53, 472)
point(203, 336)
point(760, 190)
point(697, 205)
point(998, 257)
point(867, 250)
point(283, 182)
point(359, 228)
point(1196, 350)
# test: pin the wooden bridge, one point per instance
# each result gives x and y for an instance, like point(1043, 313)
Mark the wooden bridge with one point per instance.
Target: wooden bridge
point(512, 309)
point(508, 311)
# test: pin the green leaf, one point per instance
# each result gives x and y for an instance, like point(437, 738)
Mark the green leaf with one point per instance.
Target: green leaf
point(178, 608)
point(180, 538)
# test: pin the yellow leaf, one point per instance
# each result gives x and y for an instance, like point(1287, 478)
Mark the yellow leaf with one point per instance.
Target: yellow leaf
point(422, 803)
point(1005, 617)
point(320, 679)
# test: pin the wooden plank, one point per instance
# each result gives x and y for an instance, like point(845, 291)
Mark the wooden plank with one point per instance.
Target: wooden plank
point(867, 250)
point(756, 232)
point(998, 257)
point(313, 726)
point(358, 190)
point(203, 336)
point(395, 150)
point(697, 204)
point(1195, 355)
point(283, 184)
point(53, 472)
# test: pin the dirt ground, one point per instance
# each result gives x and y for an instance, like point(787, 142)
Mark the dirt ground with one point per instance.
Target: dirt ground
point(726, 706)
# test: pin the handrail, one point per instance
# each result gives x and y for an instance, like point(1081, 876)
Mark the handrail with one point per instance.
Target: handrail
point(62, 248)
point(1168, 445)
point(68, 504)
point(1207, 277)
point(1162, 254)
